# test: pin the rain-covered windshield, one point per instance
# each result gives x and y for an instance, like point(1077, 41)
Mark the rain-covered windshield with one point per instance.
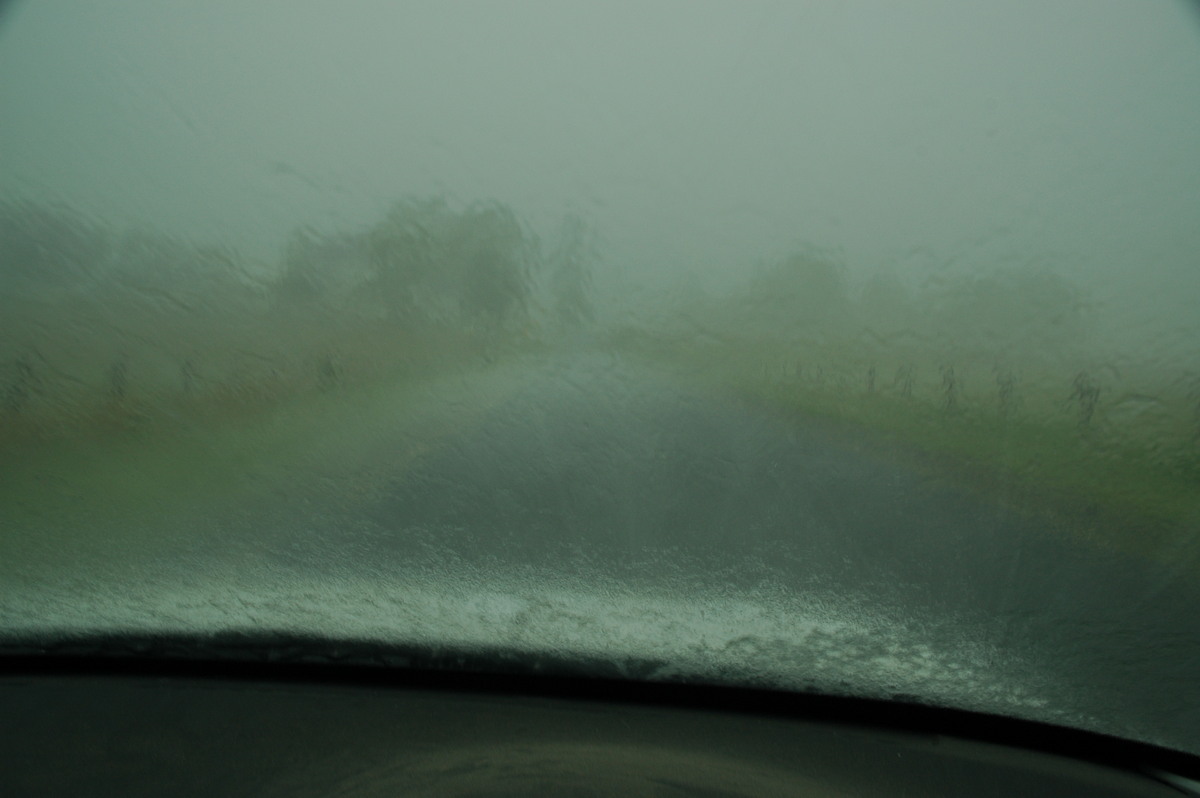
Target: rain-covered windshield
point(837, 347)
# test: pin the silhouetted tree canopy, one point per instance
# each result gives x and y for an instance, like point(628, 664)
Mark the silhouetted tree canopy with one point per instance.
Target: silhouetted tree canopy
point(432, 262)
point(48, 244)
point(570, 273)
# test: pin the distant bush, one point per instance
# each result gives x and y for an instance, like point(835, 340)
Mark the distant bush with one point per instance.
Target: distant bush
point(472, 267)
point(805, 291)
point(92, 320)
point(569, 268)
point(47, 245)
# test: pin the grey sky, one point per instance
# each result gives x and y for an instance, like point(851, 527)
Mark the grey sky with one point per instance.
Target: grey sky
point(700, 136)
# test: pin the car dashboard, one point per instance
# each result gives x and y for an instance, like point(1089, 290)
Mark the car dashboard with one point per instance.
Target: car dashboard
point(144, 724)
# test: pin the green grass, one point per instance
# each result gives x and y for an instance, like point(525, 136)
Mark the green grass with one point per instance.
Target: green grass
point(131, 478)
point(1114, 490)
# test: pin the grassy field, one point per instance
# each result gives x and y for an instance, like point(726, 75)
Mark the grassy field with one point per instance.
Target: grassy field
point(1033, 443)
point(135, 484)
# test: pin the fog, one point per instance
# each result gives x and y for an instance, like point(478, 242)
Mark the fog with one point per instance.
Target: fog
point(695, 144)
point(308, 306)
point(698, 137)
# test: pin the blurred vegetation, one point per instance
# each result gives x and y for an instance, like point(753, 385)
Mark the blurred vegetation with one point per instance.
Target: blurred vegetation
point(993, 378)
point(103, 329)
point(569, 269)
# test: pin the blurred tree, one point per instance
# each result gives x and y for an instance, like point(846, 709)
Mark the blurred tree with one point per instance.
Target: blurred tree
point(167, 274)
point(431, 263)
point(48, 244)
point(885, 303)
point(323, 269)
point(1024, 308)
point(490, 261)
point(403, 253)
point(570, 273)
point(806, 289)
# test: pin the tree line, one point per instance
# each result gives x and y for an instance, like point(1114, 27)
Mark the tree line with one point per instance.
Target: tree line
point(92, 315)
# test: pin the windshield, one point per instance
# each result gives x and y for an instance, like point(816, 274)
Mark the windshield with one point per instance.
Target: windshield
point(843, 348)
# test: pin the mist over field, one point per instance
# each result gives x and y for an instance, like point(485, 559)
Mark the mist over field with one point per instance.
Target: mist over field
point(929, 215)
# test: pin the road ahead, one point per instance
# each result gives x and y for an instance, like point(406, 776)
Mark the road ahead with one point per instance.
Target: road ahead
point(588, 504)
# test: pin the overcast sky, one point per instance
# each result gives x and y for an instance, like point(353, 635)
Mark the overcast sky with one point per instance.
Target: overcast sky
point(696, 136)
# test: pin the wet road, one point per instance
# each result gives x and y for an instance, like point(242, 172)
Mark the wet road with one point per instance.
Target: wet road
point(595, 467)
point(678, 509)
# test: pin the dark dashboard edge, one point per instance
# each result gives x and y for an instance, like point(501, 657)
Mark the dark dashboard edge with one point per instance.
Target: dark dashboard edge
point(286, 659)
